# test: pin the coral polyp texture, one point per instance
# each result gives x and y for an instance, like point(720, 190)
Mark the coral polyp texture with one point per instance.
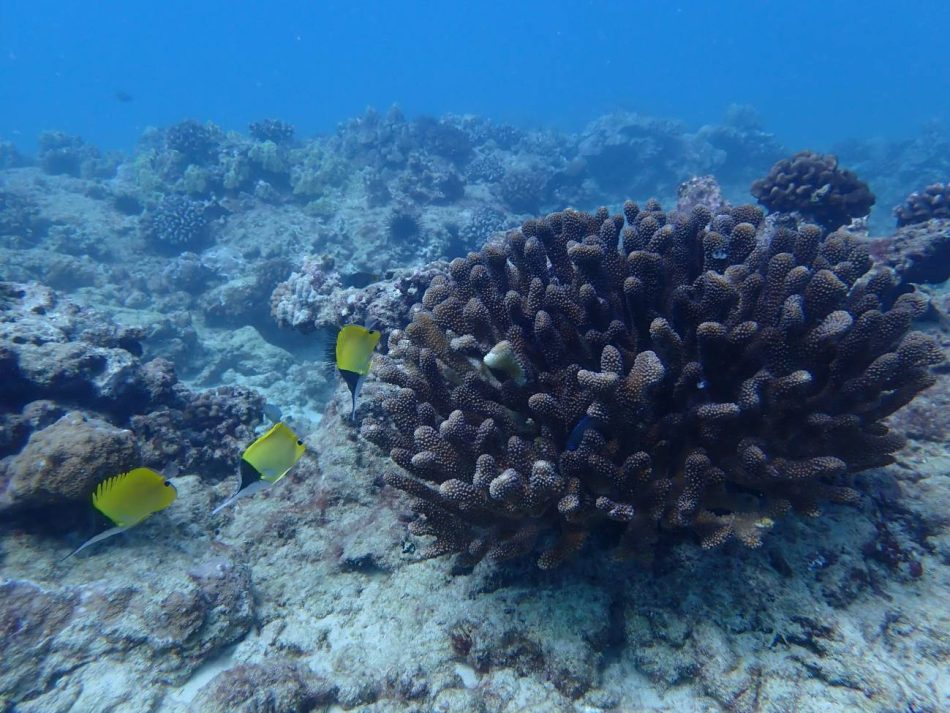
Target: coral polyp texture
point(816, 187)
point(175, 225)
point(643, 376)
point(933, 202)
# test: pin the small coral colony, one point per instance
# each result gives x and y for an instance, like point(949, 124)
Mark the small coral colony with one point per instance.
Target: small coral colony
point(705, 370)
point(129, 498)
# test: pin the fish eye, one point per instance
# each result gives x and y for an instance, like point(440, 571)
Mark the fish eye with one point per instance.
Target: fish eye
point(168, 484)
point(299, 442)
point(373, 331)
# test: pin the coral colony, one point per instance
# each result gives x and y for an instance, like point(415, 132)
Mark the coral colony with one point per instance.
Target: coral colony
point(641, 375)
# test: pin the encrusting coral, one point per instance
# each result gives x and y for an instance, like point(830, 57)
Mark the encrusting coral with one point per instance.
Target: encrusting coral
point(647, 374)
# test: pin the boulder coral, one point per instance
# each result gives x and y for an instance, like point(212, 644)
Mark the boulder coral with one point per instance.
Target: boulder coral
point(933, 202)
point(816, 187)
point(651, 375)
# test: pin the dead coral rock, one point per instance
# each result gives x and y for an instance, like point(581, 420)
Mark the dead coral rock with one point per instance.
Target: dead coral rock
point(813, 185)
point(264, 688)
point(313, 297)
point(63, 462)
point(917, 253)
point(225, 587)
point(158, 625)
point(53, 349)
point(204, 434)
point(30, 620)
point(701, 190)
point(77, 370)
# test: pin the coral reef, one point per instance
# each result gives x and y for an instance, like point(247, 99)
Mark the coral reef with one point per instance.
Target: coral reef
point(898, 166)
point(816, 187)
point(61, 153)
point(195, 142)
point(177, 224)
point(654, 373)
point(313, 298)
point(62, 463)
point(920, 206)
point(629, 154)
point(741, 148)
point(286, 601)
point(271, 130)
point(702, 191)
point(918, 253)
point(20, 220)
point(58, 358)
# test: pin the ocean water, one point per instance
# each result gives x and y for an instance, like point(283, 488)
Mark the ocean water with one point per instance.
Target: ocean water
point(818, 72)
point(490, 357)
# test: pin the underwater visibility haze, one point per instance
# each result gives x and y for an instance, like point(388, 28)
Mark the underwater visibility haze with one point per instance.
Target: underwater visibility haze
point(498, 357)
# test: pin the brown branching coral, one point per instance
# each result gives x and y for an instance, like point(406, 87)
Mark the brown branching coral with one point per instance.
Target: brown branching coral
point(816, 187)
point(644, 374)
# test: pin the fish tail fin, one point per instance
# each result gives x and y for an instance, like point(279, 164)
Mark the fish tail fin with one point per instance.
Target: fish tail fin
point(356, 393)
point(227, 502)
point(248, 490)
point(93, 540)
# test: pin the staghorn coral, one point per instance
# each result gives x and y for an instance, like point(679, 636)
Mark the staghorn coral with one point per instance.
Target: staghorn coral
point(813, 185)
point(649, 373)
point(920, 206)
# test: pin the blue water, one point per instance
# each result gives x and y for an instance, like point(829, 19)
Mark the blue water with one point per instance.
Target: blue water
point(818, 71)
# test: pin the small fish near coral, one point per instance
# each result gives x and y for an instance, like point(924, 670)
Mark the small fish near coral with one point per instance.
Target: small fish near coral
point(352, 355)
point(362, 278)
point(129, 498)
point(267, 460)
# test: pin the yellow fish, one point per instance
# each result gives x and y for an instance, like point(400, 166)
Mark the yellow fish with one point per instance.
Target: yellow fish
point(267, 460)
point(354, 352)
point(129, 498)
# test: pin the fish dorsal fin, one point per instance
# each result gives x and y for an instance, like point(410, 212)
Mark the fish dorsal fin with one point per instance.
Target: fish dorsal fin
point(128, 498)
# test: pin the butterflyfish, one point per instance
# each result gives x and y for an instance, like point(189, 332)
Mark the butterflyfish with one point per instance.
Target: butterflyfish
point(353, 354)
point(129, 498)
point(267, 460)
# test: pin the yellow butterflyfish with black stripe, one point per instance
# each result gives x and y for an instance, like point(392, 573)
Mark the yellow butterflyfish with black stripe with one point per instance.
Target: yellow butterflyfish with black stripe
point(129, 498)
point(353, 355)
point(267, 460)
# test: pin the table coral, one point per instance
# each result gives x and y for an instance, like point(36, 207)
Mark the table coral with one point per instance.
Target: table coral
point(650, 373)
